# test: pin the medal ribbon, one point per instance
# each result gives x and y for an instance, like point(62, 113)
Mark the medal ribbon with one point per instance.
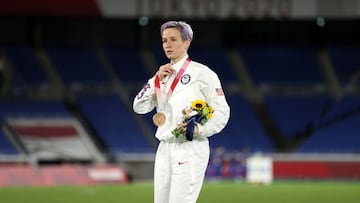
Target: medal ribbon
point(173, 85)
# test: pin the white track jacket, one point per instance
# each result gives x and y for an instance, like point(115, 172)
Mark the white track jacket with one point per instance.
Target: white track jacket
point(197, 82)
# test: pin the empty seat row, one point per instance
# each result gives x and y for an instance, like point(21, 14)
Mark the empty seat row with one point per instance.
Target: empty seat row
point(266, 64)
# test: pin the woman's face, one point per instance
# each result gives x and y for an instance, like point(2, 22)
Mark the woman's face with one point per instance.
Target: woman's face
point(174, 48)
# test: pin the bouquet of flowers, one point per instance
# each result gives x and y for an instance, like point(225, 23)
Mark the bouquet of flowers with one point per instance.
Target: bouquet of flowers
point(199, 112)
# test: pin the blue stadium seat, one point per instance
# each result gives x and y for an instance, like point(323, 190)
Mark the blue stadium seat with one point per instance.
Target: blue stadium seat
point(128, 64)
point(293, 114)
point(281, 65)
point(78, 64)
point(114, 124)
point(215, 57)
point(27, 69)
point(338, 130)
point(6, 146)
point(243, 129)
point(346, 60)
point(33, 109)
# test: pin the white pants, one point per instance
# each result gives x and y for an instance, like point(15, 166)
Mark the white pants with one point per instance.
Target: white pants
point(180, 170)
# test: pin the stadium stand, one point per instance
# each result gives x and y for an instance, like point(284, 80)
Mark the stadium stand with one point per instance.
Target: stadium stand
point(78, 65)
point(6, 146)
point(26, 68)
point(273, 65)
point(290, 65)
point(23, 109)
point(33, 109)
point(337, 131)
point(243, 130)
point(128, 64)
point(215, 57)
point(346, 61)
point(294, 114)
point(282, 65)
point(27, 74)
point(114, 124)
point(72, 62)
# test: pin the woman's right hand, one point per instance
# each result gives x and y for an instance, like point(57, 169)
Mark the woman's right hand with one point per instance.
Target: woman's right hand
point(165, 71)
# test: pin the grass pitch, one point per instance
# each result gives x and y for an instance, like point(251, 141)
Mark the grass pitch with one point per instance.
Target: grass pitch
point(212, 192)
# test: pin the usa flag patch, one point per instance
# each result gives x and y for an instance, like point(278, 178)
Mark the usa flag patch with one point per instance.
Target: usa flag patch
point(219, 91)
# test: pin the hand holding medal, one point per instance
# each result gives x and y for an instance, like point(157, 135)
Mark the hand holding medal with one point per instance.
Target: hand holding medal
point(159, 118)
point(165, 71)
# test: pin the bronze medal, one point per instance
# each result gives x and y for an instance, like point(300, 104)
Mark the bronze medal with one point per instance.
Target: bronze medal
point(159, 119)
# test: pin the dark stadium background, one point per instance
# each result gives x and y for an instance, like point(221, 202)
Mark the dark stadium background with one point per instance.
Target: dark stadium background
point(292, 83)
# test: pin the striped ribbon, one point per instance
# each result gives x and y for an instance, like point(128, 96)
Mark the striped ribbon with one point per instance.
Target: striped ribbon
point(173, 85)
